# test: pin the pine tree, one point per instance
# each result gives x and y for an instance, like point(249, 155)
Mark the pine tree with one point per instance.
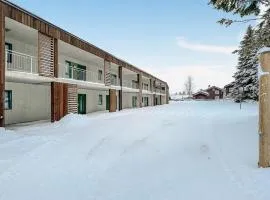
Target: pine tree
point(246, 75)
point(263, 30)
point(242, 7)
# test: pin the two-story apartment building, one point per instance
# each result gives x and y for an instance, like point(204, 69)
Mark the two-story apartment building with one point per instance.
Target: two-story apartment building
point(47, 72)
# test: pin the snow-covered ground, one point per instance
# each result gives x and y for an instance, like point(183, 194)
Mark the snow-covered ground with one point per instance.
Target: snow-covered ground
point(185, 150)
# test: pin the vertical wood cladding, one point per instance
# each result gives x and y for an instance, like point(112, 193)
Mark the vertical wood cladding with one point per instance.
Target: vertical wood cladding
point(113, 100)
point(139, 77)
point(59, 95)
point(120, 94)
point(55, 66)
point(55, 98)
point(46, 54)
point(2, 65)
point(72, 98)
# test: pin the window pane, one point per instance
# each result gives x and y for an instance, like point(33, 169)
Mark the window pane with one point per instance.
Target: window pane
point(8, 100)
point(99, 75)
point(100, 100)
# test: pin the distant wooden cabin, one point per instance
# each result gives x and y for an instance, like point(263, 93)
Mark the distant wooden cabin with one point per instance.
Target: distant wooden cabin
point(203, 95)
point(211, 93)
point(214, 92)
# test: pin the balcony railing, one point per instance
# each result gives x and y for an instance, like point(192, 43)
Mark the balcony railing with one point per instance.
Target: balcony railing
point(130, 84)
point(20, 62)
point(75, 73)
point(114, 80)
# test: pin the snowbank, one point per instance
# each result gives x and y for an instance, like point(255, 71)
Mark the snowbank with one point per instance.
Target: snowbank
point(186, 150)
point(73, 120)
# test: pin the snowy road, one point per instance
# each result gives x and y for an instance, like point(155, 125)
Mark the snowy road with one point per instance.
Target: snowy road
point(186, 150)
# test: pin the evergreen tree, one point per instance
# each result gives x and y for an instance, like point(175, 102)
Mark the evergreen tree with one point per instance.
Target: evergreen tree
point(246, 79)
point(242, 7)
point(263, 30)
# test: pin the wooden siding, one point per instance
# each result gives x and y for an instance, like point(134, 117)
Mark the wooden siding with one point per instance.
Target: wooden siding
point(55, 66)
point(2, 65)
point(21, 15)
point(139, 78)
point(200, 96)
point(72, 99)
point(113, 100)
point(120, 94)
point(212, 94)
point(46, 55)
point(58, 101)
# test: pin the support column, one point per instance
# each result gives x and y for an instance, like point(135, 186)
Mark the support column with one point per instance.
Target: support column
point(2, 65)
point(154, 91)
point(120, 75)
point(55, 58)
point(139, 79)
point(167, 94)
point(264, 111)
point(113, 100)
point(59, 100)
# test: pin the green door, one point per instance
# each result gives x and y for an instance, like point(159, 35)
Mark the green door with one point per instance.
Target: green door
point(82, 103)
point(107, 102)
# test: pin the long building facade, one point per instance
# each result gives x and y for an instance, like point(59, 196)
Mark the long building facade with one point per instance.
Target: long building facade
point(46, 73)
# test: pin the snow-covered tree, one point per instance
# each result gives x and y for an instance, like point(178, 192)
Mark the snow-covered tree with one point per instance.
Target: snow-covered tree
point(246, 78)
point(263, 30)
point(242, 7)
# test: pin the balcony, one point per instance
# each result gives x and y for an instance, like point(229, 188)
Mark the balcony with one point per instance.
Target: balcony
point(130, 84)
point(19, 62)
point(75, 73)
point(114, 80)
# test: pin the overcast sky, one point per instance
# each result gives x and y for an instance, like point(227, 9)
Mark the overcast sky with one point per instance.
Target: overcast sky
point(169, 38)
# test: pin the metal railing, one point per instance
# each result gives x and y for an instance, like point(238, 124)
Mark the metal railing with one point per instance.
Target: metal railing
point(130, 84)
point(16, 61)
point(75, 73)
point(115, 81)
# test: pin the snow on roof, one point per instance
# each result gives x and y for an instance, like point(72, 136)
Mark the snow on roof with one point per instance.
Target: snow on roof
point(228, 85)
point(264, 50)
point(214, 87)
point(201, 92)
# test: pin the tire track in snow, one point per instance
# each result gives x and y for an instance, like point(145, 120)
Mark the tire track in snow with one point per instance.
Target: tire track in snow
point(92, 151)
point(232, 174)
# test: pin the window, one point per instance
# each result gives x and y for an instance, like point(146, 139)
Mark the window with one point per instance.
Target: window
point(113, 79)
point(134, 101)
point(8, 99)
point(217, 92)
point(100, 99)
point(100, 75)
point(145, 86)
point(75, 71)
point(8, 47)
point(146, 103)
point(135, 84)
